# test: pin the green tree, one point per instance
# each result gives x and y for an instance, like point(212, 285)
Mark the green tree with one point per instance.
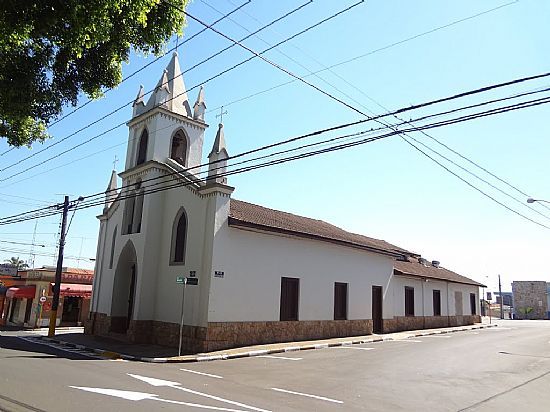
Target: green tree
point(21, 264)
point(52, 51)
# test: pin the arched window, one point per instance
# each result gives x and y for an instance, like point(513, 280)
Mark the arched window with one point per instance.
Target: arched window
point(179, 238)
point(179, 148)
point(138, 208)
point(113, 244)
point(142, 148)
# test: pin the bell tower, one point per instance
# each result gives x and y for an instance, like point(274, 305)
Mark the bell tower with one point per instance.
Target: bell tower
point(166, 129)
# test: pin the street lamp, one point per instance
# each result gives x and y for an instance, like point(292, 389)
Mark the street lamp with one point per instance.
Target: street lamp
point(531, 200)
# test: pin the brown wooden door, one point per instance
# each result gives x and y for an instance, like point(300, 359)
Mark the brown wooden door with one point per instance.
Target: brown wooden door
point(377, 309)
point(290, 296)
point(340, 301)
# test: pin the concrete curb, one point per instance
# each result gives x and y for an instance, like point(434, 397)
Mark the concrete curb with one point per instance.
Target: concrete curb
point(247, 354)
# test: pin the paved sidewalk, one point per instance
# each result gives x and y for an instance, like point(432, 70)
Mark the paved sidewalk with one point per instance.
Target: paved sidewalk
point(112, 348)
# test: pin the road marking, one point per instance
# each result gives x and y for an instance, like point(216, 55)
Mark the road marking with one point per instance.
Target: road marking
point(322, 398)
point(353, 347)
point(202, 373)
point(141, 396)
point(176, 385)
point(279, 357)
point(62, 348)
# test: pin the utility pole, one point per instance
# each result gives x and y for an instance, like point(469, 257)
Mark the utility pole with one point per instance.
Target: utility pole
point(501, 299)
point(59, 268)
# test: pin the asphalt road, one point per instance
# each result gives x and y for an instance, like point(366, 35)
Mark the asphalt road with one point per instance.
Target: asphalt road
point(505, 369)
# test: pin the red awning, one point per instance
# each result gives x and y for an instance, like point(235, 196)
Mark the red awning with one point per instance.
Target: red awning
point(75, 290)
point(21, 292)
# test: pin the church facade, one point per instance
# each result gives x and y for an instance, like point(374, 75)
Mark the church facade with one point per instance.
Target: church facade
point(261, 275)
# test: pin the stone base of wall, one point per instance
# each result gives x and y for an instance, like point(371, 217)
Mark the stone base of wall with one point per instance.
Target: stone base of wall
point(403, 323)
point(226, 335)
point(97, 324)
point(147, 331)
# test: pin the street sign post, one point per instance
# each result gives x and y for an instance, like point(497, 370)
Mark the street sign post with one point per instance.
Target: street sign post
point(182, 280)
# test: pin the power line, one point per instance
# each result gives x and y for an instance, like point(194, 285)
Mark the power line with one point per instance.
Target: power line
point(333, 148)
point(259, 55)
point(41, 213)
point(371, 52)
point(319, 132)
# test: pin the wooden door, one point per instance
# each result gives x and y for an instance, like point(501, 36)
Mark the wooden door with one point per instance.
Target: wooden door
point(377, 309)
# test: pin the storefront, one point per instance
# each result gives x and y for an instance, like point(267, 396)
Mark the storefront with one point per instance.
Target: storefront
point(29, 303)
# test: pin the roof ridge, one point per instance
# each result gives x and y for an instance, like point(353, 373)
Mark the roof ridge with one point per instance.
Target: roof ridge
point(326, 225)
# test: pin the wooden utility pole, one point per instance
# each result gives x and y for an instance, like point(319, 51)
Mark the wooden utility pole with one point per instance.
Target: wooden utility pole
point(59, 268)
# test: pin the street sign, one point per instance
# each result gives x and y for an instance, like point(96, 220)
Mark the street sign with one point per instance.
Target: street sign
point(42, 299)
point(193, 281)
point(180, 280)
point(7, 269)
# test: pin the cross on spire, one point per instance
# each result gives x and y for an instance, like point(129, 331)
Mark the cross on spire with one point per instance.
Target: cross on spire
point(115, 161)
point(222, 112)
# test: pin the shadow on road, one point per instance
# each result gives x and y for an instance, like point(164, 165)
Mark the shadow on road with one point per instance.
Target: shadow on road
point(24, 349)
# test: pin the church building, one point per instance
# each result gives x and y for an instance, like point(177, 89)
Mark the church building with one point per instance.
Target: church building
point(254, 275)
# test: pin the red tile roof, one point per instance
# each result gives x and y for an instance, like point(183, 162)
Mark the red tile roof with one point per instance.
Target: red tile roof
point(243, 214)
point(414, 268)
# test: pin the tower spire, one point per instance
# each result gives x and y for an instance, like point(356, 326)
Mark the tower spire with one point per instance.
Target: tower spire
point(170, 91)
point(200, 106)
point(218, 159)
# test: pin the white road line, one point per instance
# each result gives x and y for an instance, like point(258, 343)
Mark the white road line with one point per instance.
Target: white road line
point(279, 357)
point(353, 347)
point(322, 398)
point(202, 373)
point(140, 396)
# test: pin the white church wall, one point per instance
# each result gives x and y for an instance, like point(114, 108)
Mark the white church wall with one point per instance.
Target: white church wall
point(398, 285)
point(169, 294)
point(253, 264)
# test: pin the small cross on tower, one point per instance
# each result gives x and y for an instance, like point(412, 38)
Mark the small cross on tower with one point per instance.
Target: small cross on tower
point(115, 161)
point(222, 112)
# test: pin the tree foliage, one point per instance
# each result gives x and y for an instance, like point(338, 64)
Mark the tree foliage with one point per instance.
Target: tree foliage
point(51, 51)
point(21, 264)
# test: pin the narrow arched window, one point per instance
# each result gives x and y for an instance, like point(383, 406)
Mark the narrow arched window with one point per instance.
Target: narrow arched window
point(142, 148)
point(128, 218)
point(138, 211)
point(179, 237)
point(178, 151)
point(113, 244)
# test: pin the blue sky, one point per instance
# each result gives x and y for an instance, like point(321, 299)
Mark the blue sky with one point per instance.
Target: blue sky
point(384, 189)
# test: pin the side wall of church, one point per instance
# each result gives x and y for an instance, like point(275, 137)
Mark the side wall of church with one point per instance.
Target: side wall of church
point(453, 312)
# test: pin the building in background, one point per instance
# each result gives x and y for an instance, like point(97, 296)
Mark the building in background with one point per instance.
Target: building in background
point(531, 299)
point(29, 302)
